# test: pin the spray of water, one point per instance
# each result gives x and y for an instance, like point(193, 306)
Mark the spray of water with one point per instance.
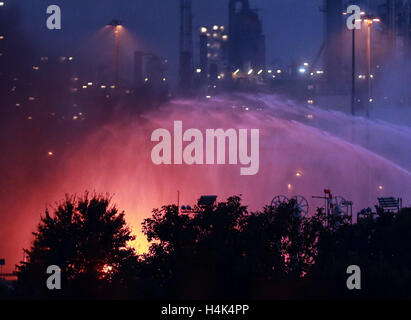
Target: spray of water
point(303, 150)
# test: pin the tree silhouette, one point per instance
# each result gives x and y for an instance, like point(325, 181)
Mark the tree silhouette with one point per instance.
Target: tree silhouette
point(218, 251)
point(87, 238)
point(223, 251)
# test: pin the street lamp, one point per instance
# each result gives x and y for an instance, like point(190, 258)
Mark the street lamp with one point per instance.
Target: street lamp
point(116, 25)
point(369, 20)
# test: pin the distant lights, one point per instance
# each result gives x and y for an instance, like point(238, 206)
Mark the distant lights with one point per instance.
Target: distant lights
point(90, 83)
point(260, 72)
point(1, 37)
point(289, 186)
point(310, 101)
point(215, 28)
point(50, 153)
point(208, 97)
point(203, 30)
point(298, 174)
point(279, 71)
point(1, 4)
point(198, 70)
point(380, 187)
point(236, 72)
point(302, 70)
point(250, 71)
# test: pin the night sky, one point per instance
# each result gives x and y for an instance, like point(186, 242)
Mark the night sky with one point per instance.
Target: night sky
point(293, 28)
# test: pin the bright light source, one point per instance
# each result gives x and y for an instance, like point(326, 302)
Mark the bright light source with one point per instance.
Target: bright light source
point(1, 37)
point(50, 153)
point(306, 64)
point(260, 72)
point(237, 71)
point(380, 187)
point(250, 71)
point(215, 28)
point(225, 37)
point(270, 71)
point(1, 4)
point(164, 79)
point(289, 186)
point(103, 86)
point(302, 70)
point(203, 30)
point(298, 174)
point(279, 71)
point(310, 101)
point(208, 97)
point(198, 70)
point(90, 83)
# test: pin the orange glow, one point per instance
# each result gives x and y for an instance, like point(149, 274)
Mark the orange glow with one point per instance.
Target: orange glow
point(107, 268)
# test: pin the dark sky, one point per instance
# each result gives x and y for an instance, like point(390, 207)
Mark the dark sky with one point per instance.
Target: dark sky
point(293, 28)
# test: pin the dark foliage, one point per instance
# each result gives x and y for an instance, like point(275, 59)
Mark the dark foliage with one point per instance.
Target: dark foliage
point(220, 251)
point(87, 238)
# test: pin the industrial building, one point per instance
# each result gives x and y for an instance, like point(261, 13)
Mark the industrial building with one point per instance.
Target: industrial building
point(246, 40)
point(222, 50)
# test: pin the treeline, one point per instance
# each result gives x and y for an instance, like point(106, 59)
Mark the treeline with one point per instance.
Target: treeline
point(217, 252)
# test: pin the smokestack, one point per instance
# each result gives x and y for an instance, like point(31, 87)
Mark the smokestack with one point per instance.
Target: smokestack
point(186, 47)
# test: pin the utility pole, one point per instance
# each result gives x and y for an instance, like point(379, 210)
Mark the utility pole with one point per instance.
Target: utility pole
point(353, 93)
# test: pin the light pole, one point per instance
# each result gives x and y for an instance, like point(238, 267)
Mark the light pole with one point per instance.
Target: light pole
point(369, 20)
point(116, 24)
point(353, 74)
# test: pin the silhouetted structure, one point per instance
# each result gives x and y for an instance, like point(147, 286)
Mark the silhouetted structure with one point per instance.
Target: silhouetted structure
point(246, 39)
point(186, 47)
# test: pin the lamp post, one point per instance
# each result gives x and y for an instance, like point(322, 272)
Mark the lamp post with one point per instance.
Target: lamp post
point(369, 20)
point(353, 74)
point(116, 24)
